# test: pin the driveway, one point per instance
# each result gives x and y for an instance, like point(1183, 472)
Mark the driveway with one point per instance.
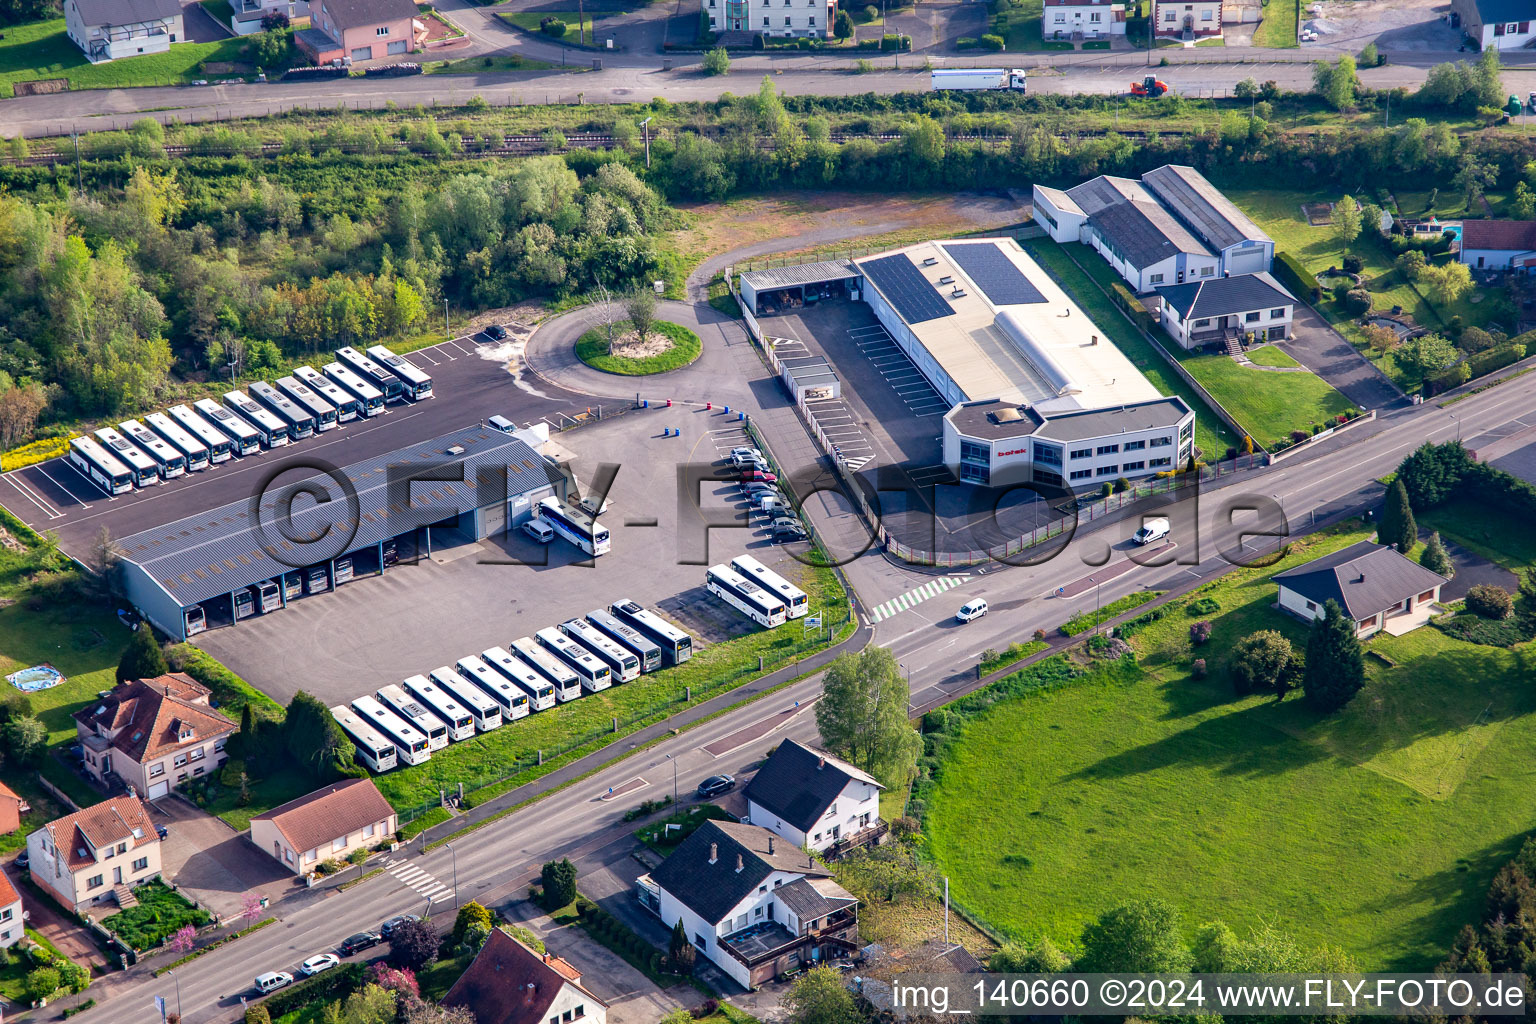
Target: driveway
point(940, 25)
point(1471, 570)
point(1323, 350)
point(200, 26)
point(44, 918)
point(213, 863)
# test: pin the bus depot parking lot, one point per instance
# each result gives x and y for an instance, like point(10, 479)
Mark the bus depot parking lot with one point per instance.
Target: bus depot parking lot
point(472, 596)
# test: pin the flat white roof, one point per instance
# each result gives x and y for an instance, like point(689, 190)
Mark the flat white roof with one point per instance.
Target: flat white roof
point(1046, 354)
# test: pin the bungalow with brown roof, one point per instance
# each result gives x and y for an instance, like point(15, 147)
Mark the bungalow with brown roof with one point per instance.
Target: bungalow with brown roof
point(152, 734)
point(508, 983)
point(103, 850)
point(325, 825)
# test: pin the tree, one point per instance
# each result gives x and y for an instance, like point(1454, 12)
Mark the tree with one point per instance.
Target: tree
point(681, 953)
point(1141, 937)
point(820, 997)
point(1335, 662)
point(143, 659)
point(413, 945)
point(1379, 339)
point(104, 565)
point(1446, 282)
point(239, 746)
point(1397, 524)
point(1410, 263)
point(23, 741)
point(250, 908)
point(640, 308)
point(862, 715)
point(394, 979)
point(1489, 601)
point(842, 25)
point(717, 61)
point(21, 404)
point(1427, 353)
point(257, 1014)
point(1435, 558)
point(1523, 204)
point(1335, 83)
point(313, 739)
point(1526, 605)
point(559, 877)
point(1433, 473)
point(42, 983)
point(470, 914)
point(1020, 957)
point(1370, 220)
point(1258, 662)
point(1346, 219)
point(371, 1005)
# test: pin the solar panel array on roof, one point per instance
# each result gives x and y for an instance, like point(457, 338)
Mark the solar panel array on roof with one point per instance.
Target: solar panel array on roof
point(998, 277)
point(905, 287)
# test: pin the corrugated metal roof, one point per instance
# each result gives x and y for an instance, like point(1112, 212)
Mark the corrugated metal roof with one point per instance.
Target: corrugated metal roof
point(212, 553)
point(1201, 205)
point(805, 273)
point(1145, 233)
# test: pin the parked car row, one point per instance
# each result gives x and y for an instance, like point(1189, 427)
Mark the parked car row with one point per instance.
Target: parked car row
point(760, 487)
point(271, 981)
point(407, 721)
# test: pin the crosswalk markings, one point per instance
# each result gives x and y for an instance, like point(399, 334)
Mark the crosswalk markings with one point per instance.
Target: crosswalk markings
point(915, 596)
point(423, 882)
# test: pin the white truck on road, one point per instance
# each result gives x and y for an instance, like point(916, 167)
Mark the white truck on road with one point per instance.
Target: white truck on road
point(977, 79)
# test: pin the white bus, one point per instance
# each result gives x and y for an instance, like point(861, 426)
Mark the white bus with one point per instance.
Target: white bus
point(145, 470)
point(103, 468)
point(574, 525)
point(308, 401)
point(344, 377)
point(392, 386)
point(623, 665)
point(458, 719)
point(676, 645)
point(410, 742)
point(413, 711)
point(540, 691)
point(244, 439)
point(565, 680)
point(348, 406)
point(627, 637)
point(220, 448)
point(417, 382)
point(511, 699)
point(592, 672)
point(169, 462)
point(301, 422)
point(745, 596)
point(486, 712)
point(272, 431)
point(373, 749)
point(194, 451)
point(792, 596)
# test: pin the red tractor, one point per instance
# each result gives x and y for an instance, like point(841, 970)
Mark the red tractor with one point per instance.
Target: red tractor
point(1150, 86)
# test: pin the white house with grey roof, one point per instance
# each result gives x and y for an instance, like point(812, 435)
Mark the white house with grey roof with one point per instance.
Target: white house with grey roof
point(1209, 312)
point(815, 800)
point(1170, 227)
point(111, 29)
point(756, 905)
point(1500, 24)
point(1373, 584)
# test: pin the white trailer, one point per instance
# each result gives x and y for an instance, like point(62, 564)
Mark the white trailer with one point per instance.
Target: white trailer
point(979, 79)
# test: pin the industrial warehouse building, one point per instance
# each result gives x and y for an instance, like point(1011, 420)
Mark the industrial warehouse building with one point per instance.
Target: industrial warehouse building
point(1037, 392)
point(218, 567)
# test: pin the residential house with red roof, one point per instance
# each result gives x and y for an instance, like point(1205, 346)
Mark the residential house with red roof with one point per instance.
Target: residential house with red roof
point(325, 825)
point(98, 852)
point(153, 734)
point(508, 983)
point(1499, 244)
point(12, 924)
point(12, 807)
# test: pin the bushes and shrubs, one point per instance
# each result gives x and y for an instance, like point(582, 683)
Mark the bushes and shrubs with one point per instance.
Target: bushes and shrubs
point(1489, 602)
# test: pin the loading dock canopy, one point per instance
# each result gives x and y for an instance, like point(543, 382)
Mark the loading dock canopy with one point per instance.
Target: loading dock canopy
point(214, 553)
point(765, 291)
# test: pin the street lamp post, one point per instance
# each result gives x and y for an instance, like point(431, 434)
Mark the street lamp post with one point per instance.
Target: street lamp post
point(455, 854)
point(178, 992)
point(674, 779)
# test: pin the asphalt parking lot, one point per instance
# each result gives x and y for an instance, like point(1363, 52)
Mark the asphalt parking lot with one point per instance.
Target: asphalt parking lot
point(211, 862)
point(472, 382)
point(473, 596)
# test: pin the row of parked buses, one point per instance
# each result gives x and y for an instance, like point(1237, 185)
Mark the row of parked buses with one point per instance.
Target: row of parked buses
point(403, 723)
point(183, 439)
point(756, 591)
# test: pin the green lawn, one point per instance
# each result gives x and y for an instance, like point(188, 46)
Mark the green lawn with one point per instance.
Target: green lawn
point(44, 809)
point(266, 794)
point(1485, 530)
point(1277, 27)
point(1018, 22)
point(1376, 830)
point(1088, 620)
point(42, 50)
point(85, 642)
point(221, 10)
point(16, 965)
point(592, 349)
point(477, 65)
point(160, 913)
point(1270, 405)
point(530, 20)
point(1211, 434)
point(1271, 355)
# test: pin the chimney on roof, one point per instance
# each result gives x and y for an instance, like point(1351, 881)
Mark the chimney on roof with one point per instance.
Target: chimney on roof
point(1362, 577)
point(1093, 339)
point(740, 863)
point(770, 846)
point(714, 852)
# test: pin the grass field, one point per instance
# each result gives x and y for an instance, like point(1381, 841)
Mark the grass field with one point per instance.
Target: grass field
point(1377, 829)
point(529, 20)
point(1018, 22)
point(42, 50)
point(476, 65)
point(592, 349)
point(1211, 434)
point(1270, 405)
point(1277, 28)
point(1271, 355)
point(1485, 530)
point(83, 642)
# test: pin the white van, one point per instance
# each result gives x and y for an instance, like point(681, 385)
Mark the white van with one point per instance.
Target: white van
point(272, 981)
point(539, 530)
point(1151, 530)
point(502, 424)
point(973, 609)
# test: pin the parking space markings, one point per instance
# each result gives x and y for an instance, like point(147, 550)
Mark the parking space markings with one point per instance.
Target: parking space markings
point(913, 598)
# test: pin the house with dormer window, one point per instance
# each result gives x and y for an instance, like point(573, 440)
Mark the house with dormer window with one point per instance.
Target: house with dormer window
point(153, 734)
point(816, 800)
point(97, 853)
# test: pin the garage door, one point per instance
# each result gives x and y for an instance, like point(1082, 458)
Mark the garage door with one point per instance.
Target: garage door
point(1250, 261)
point(363, 53)
point(159, 789)
point(399, 46)
point(520, 508)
